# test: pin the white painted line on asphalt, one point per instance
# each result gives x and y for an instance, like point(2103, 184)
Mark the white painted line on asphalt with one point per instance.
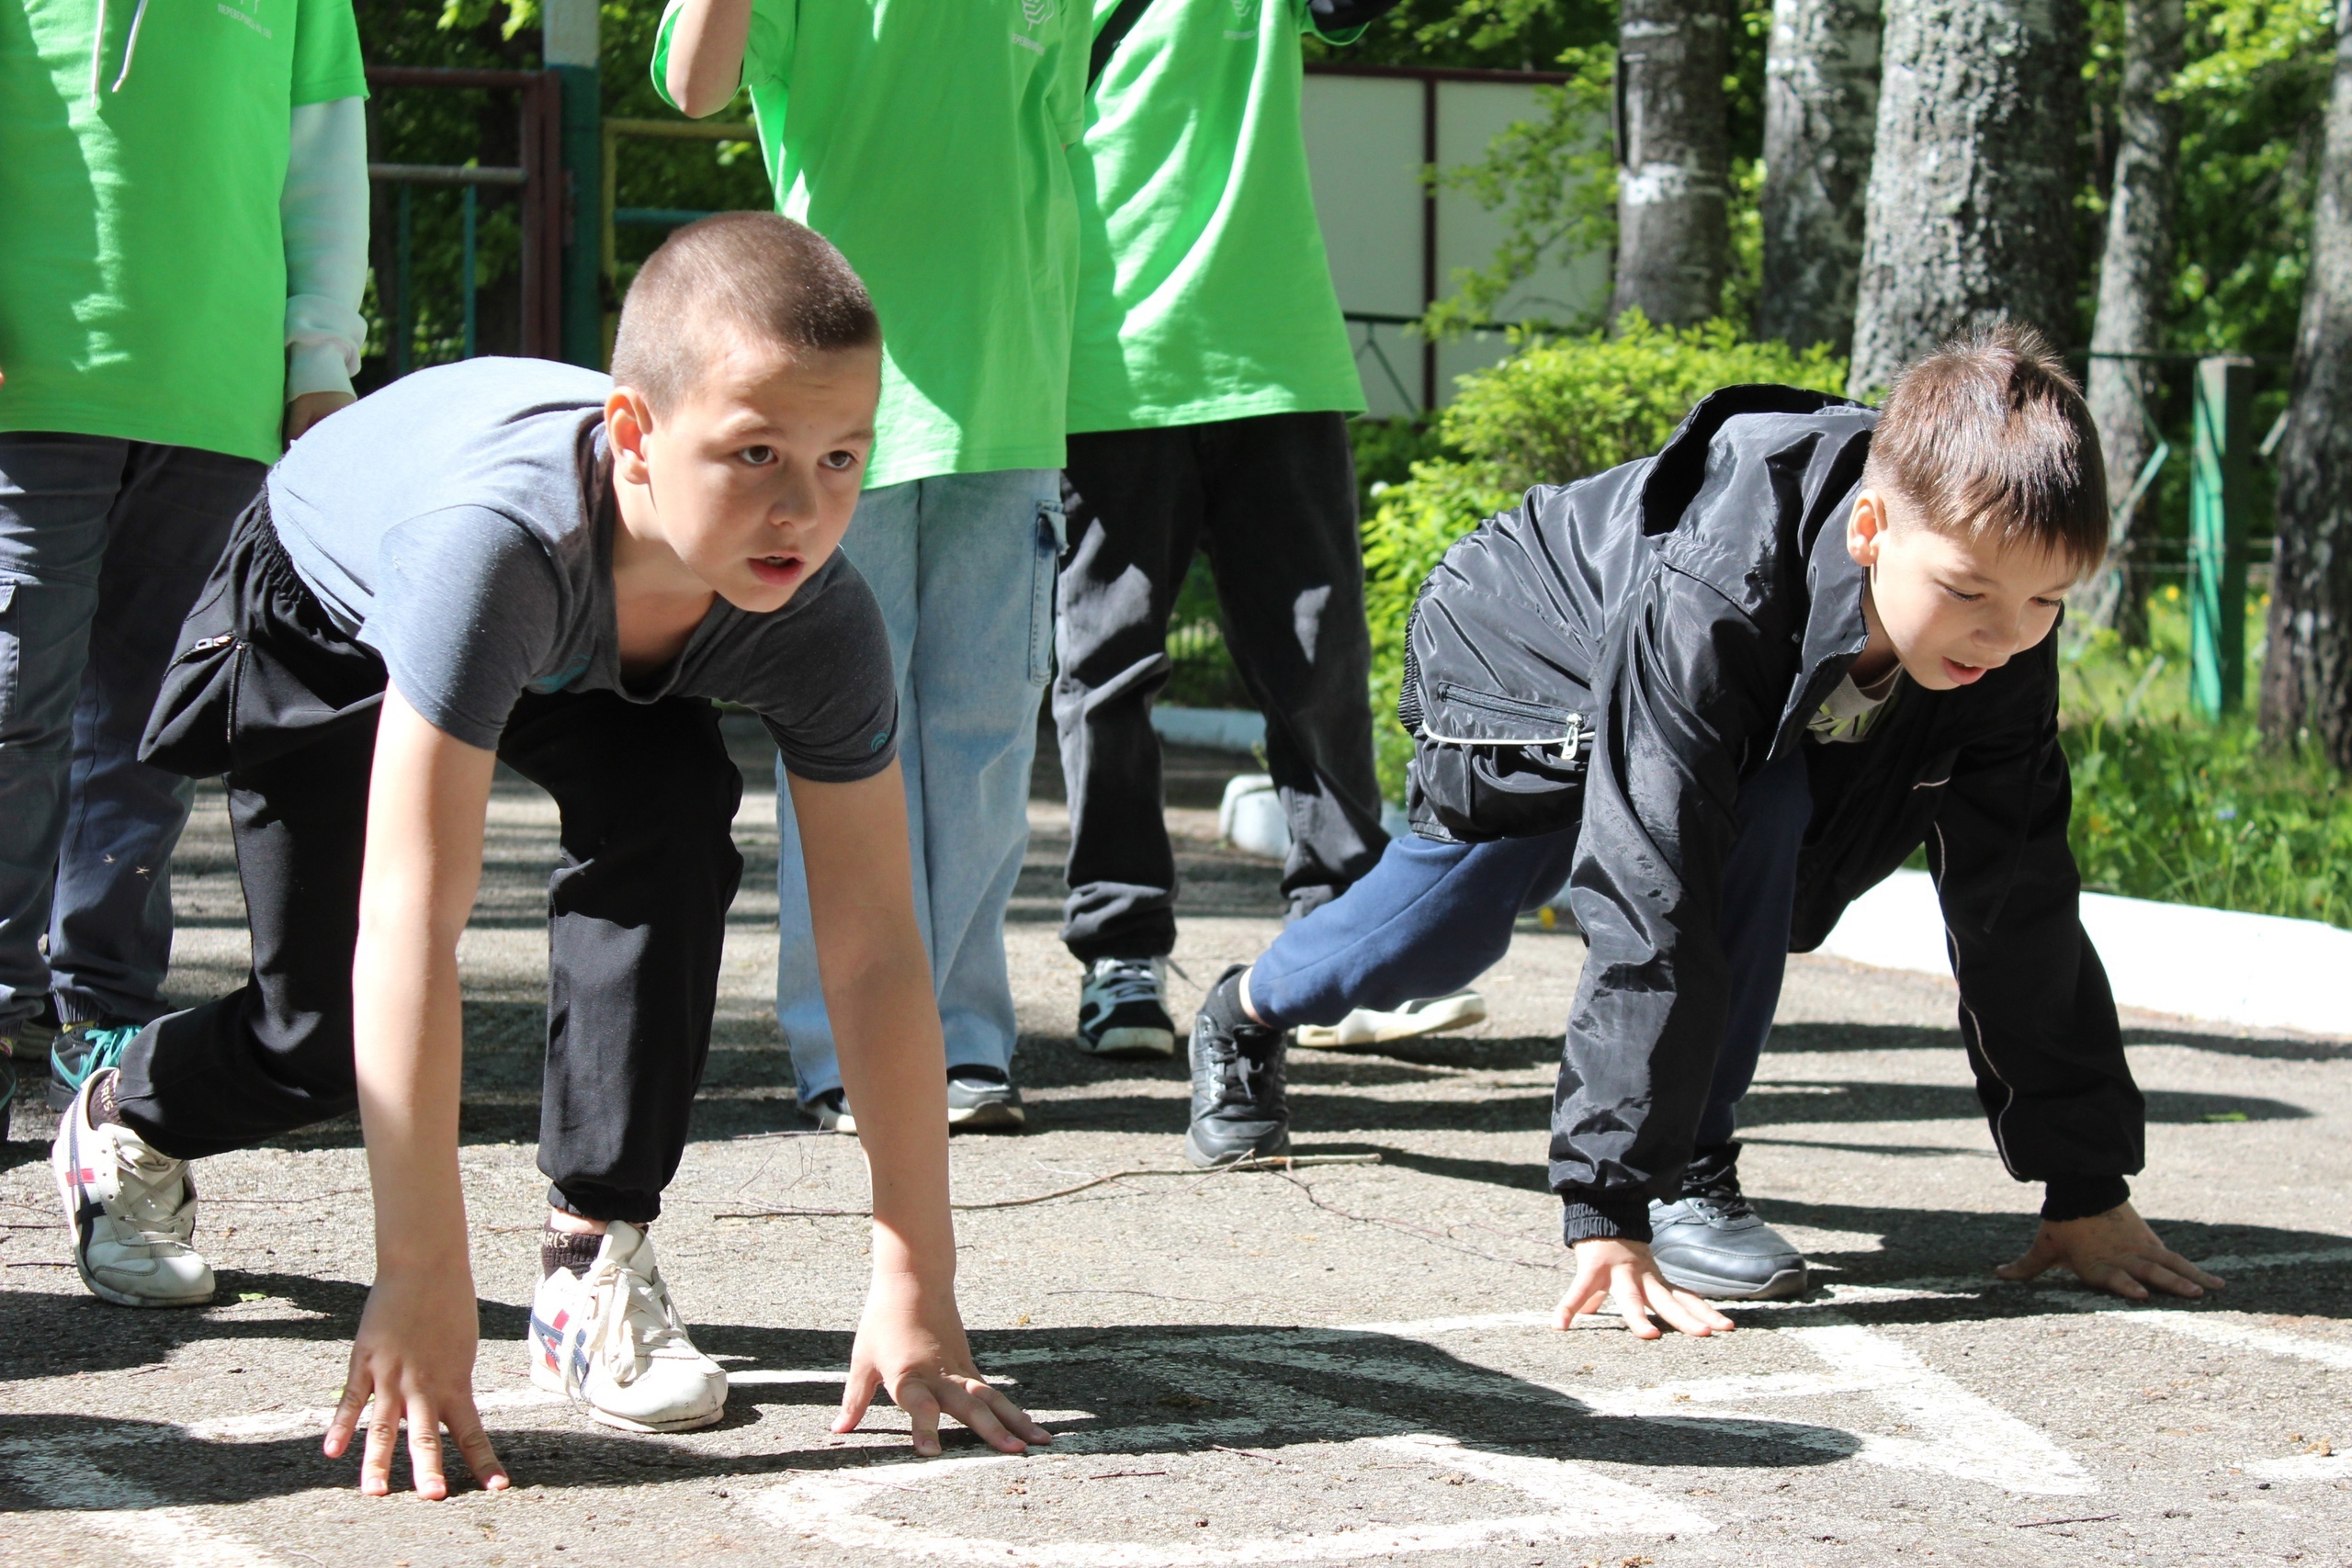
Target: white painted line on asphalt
point(2228, 1264)
point(293, 1423)
point(60, 1474)
point(1574, 1500)
point(2303, 1466)
point(2214, 1330)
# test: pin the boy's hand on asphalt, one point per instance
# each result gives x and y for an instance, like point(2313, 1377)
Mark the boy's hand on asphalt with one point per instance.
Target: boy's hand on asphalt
point(307, 409)
point(414, 1355)
point(912, 1343)
point(1613, 1269)
point(2115, 1251)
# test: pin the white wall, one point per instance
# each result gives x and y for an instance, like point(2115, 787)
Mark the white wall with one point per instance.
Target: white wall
point(1365, 145)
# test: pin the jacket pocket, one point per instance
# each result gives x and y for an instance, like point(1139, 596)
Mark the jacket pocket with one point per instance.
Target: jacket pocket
point(11, 661)
point(187, 732)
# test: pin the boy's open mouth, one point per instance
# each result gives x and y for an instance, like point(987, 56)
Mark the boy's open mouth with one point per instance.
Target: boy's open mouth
point(777, 571)
point(1960, 674)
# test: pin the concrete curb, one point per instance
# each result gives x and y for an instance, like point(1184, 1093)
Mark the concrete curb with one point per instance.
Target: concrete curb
point(2255, 970)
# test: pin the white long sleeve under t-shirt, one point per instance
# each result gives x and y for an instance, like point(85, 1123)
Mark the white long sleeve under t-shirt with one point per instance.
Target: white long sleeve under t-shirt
point(323, 216)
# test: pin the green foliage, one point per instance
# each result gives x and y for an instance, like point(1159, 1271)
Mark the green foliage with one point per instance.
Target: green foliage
point(2170, 807)
point(1558, 410)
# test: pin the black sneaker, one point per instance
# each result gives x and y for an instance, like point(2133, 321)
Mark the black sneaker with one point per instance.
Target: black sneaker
point(982, 1100)
point(80, 1052)
point(1123, 1008)
point(1239, 1110)
point(1711, 1243)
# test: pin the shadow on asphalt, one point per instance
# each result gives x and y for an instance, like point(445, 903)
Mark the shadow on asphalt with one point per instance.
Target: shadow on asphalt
point(1150, 1391)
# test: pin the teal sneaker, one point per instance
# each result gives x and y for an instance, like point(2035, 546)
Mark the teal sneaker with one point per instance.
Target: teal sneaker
point(82, 1050)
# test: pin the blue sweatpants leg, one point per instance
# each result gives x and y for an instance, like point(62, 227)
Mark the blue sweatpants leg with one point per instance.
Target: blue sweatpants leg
point(1759, 899)
point(1429, 918)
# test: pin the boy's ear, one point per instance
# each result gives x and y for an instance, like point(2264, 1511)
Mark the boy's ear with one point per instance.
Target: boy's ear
point(1865, 526)
point(627, 421)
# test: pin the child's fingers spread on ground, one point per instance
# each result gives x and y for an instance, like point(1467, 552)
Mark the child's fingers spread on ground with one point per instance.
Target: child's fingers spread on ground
point(1682, 1310)
point(2151, 1271)
point(346, 1419)
point(1625, 1290)
point(857, 1396)
point(980, 1417)
point(1016, 1420)
point(376, 1460)
point(425, 1452)
point(480, 1457)
point(922, 1413)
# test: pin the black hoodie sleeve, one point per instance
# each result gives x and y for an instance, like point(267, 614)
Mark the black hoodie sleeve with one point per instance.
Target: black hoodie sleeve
point(2035, 1011)
point(1681, 705)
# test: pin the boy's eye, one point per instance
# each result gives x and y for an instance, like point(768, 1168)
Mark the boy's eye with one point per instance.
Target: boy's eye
point(2050, 604)
point(840, 461)
point(1964, 598)
point(758, 456)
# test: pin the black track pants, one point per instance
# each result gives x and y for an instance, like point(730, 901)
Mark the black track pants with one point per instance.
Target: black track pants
point(1271, 500)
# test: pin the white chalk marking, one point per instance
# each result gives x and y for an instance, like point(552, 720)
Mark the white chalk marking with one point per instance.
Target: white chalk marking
point(313, 1420)
point(1573, 1501)
point(2215, 1329)
point(61, 1475)
point(2303, 1466)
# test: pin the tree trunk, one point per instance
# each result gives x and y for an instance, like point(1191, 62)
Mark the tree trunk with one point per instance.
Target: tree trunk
point(1673, 159)
point(1820, 116)
point(2134, 285)
point(1971, 191)
point(2307, 674)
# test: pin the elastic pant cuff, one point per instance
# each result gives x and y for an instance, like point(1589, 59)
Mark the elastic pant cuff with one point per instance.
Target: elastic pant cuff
point(1591, 1216)
point(609, 1206)
point(2079, 1197)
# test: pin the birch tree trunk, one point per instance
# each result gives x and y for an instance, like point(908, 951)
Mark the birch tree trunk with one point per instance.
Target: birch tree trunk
point(1821, 70)
point(2307, 673)
point(1972, 189)
point(1674, 159)
point(2135, 287)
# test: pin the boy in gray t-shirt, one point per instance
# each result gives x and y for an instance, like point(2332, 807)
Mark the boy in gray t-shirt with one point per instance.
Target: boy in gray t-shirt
point(507, 559)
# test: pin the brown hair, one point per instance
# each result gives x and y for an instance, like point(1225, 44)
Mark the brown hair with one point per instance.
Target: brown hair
point(1989, 438)
point(754, 273)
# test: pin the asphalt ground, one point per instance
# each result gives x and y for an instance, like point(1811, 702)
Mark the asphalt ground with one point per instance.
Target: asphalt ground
point(1342, 1363)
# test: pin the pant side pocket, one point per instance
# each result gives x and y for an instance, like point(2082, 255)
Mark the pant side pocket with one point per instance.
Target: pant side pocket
point(1053, 528)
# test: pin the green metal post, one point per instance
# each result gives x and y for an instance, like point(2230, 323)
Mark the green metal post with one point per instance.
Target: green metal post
point(2218, 498)
point(570, 45)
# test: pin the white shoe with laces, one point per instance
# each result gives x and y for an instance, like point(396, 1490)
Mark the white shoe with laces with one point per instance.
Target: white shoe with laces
point(131, 1210)
point(1367, 1026)
point(612, 1340)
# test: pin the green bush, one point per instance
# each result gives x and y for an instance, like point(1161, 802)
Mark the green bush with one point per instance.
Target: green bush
point(1556, 410)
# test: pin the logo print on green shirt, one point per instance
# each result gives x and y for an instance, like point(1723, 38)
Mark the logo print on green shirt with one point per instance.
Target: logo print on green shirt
point(1039, 12)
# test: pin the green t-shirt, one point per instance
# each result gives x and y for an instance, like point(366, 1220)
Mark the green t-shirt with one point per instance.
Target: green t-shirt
point(1203, 288)
point(142, 271)
point(926, 138)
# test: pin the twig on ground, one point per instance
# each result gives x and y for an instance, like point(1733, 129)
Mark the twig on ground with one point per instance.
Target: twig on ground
point(1130, 1291)
point(1245, 1453)
point(1442, 1238)
point(2086, 1519)
point(1282, 1162)
point(1118, 1474)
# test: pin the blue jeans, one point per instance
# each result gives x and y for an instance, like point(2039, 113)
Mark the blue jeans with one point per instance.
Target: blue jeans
point(964, 567)
point(1432, 918)
point(104, 545)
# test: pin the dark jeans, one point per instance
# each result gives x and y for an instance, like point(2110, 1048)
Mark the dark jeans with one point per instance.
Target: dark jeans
point(637, 914)
point(1271, 500)
point(103, 545)
point(1432, 918)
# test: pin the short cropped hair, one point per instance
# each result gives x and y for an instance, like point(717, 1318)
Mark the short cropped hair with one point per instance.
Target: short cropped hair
point(756, 274)
point(1989, 438)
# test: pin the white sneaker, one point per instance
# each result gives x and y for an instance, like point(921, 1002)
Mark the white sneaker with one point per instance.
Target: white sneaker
point(612, 1340)
point(131, 1211)
point(1432, 1015)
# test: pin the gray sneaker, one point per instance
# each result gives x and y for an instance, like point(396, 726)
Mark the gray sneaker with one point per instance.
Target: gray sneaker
point(1711, 1244)
point(982, 1100)
point(830, 1111)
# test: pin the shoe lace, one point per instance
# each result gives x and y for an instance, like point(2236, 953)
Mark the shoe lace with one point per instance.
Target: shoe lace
point(1719, 1199)
point(151, 1191)
point(632, 1318)
point(1237, 1072)
point(1118, 981)
point(107, 1044)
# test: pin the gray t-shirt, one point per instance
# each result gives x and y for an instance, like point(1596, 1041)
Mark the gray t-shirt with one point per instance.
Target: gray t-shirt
point(459, 523)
